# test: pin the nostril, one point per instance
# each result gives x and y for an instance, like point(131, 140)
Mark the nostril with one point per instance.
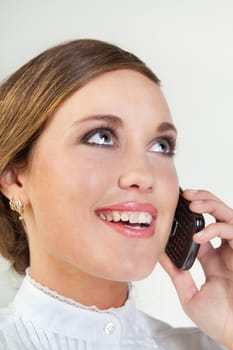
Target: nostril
point(134, 186)
point(144, 188)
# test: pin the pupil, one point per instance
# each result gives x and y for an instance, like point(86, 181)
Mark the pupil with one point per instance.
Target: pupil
point(105, 137)
point(163, 146)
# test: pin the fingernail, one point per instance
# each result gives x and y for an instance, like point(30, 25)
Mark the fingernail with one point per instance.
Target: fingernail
point(192, 190)
point(198, 202)
point(198, 234)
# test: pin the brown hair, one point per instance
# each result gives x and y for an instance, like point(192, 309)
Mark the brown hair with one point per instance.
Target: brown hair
point(30, 97)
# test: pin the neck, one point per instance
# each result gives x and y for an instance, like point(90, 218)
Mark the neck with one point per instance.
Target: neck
point(81, 287)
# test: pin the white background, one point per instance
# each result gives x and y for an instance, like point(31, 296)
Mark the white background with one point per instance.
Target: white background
point(189, 45)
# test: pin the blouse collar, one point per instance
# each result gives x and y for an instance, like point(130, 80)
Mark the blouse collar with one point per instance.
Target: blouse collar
point(71, 301)
point(50, 311)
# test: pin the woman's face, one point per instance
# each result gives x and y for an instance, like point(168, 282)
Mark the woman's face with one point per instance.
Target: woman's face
point(101, 188)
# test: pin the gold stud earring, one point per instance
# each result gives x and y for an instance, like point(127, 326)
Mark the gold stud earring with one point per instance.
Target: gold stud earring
point(17, 205)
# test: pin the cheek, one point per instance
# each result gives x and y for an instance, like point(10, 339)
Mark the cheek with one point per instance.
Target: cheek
point(64, 203)
point(69, 189)
point(94, 176)
point(168, 193)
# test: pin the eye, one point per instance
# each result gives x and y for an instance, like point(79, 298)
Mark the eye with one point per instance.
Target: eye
point(164, 145)
point(100, 136)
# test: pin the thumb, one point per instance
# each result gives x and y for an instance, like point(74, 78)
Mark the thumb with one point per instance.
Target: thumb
point(182, 280)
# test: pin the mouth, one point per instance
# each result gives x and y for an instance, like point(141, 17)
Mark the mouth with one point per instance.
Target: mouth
point(130, 223)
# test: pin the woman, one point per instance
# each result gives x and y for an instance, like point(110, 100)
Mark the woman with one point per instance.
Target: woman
point(88, 194)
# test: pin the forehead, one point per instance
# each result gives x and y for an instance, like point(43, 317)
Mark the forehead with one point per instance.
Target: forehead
point(116, 91)
point(132, 98)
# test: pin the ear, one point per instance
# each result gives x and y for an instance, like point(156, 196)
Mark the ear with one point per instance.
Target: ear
point(10, 185)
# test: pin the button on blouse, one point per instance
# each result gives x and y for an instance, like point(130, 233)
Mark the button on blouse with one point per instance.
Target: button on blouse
point(39, 319)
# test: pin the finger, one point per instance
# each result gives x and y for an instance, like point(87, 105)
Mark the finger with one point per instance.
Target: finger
point(192, 195)
point(227, 258)
point(221, 230)
point(204, 251)
point(216, 208)
point(207, 258)
point(215, 261)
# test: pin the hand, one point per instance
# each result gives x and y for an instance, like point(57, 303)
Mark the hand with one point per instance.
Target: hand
point(211, 307)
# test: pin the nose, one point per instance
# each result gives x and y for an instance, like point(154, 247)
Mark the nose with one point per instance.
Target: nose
point(137, 175)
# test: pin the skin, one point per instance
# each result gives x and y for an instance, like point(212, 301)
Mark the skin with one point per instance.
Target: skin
point(72, 250)
point(211, 307)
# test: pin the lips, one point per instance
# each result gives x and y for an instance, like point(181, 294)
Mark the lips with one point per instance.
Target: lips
point(130, 219)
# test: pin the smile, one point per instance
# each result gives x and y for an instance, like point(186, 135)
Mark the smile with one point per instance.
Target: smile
point(131, 223)
point(128, 217)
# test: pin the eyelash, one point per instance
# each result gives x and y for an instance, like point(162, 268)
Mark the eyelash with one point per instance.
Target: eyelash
point(102, 128)
point(170, 139)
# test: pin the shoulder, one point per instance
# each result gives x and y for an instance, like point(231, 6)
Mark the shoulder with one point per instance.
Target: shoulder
point(180, 338)
point(7, 315)
point(6, 323)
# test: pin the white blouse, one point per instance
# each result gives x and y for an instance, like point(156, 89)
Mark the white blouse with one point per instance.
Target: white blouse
point(39, 319)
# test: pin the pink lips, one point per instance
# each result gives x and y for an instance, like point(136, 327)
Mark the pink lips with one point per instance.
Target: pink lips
point(127, 230)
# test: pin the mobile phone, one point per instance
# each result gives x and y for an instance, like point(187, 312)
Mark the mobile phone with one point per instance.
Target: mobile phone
point(181, 248)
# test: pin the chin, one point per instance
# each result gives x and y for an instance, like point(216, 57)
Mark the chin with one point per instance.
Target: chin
point(141, 275)
point(135, 272)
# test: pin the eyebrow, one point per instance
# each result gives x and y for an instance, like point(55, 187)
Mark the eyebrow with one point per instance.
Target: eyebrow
point(113, 119)
point(166, 126)
point(118, 122)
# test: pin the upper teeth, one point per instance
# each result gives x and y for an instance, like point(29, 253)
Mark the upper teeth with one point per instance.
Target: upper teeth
point(132, 217)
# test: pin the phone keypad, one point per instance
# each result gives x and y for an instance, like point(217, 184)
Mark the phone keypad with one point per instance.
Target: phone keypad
point(180, 246)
